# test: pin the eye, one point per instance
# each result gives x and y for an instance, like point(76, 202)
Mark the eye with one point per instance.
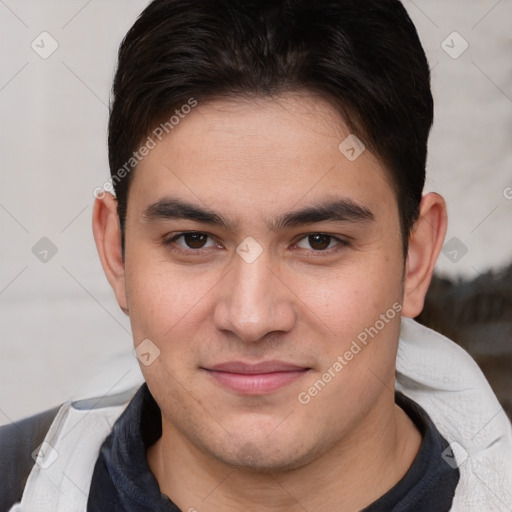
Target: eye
point(196, 241)
point(192, 240)
point(320, 242)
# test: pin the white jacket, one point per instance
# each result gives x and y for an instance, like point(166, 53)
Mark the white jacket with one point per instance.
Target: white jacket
point(432, 370)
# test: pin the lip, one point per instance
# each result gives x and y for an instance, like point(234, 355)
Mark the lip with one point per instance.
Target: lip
point(255, 378)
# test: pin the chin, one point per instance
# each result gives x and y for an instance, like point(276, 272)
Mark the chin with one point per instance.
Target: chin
point(262, 456)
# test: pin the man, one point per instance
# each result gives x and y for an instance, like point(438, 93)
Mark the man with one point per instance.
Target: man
point(269, 241)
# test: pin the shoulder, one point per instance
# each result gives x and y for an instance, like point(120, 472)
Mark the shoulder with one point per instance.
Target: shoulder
point(18, 440)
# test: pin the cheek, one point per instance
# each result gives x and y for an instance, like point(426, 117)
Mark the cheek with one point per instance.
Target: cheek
point(357, 309)
point(351, 298)
point(162, 298)
point(359, 313)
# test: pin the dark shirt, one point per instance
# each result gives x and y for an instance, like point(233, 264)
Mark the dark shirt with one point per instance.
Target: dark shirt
point(123, 482)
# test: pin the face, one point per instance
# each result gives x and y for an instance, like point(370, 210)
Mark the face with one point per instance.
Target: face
point(266, 268)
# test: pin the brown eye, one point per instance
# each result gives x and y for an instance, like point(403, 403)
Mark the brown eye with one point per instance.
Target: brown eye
point(191, 243)
point(319, 242)
point(195, 240)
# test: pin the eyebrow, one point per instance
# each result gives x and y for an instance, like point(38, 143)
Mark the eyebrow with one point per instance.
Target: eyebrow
point(338, 210)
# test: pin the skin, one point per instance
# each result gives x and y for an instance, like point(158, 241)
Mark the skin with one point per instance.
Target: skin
point(252, 161)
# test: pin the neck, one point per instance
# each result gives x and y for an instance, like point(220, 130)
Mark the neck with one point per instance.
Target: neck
point(351, 475)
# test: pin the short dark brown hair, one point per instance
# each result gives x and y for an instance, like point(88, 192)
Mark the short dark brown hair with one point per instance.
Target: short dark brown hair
point(363, 56)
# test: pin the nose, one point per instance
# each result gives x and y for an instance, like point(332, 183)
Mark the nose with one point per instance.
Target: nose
point(254, 301)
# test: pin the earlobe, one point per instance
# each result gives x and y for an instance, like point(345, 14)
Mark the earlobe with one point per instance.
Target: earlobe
point(107, 235)
point(425, 244)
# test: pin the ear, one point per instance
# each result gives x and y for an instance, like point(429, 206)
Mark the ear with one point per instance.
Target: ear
point(107, 235)
point(425, 244)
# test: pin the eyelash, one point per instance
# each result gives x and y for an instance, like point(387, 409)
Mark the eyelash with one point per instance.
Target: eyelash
point(170, 243)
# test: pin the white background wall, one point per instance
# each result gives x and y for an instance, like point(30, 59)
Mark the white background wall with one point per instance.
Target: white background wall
point(59, 323)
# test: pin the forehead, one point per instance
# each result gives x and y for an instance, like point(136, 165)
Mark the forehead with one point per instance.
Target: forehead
point(260, 153)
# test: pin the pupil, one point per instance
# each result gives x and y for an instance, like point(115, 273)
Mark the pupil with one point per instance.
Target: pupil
point(319, 241)
point(195, 240)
